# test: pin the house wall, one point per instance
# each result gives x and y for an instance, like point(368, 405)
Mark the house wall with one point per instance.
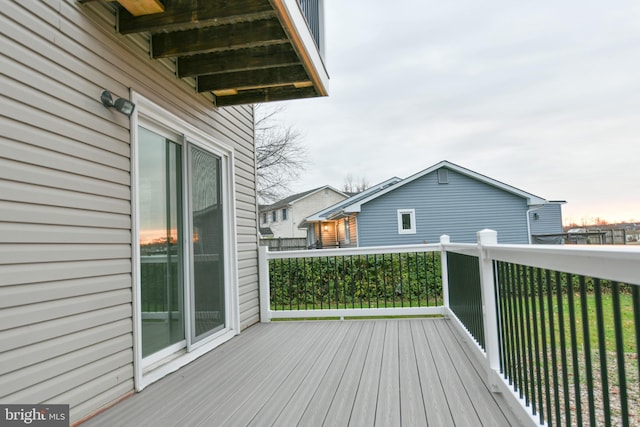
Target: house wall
point(65, 200)
point(549, 219)
point(460, 209)
point(299, 210)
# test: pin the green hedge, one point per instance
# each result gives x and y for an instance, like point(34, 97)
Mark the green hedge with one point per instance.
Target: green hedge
point(359, 281)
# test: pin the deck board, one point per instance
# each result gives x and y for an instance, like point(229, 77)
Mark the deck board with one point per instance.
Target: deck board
point(400, 372)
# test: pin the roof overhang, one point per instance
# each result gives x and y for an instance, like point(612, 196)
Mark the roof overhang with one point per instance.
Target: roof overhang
point(242, 51)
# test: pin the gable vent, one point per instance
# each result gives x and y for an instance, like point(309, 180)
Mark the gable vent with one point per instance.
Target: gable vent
point(443, 176)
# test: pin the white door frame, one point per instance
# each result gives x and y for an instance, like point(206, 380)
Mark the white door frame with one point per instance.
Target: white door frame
point(156, 367)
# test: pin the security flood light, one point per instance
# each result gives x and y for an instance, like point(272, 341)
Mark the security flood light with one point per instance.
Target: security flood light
point(124, 106)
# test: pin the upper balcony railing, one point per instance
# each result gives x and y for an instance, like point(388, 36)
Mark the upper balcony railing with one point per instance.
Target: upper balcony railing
point(311, 9)
point(557, 327)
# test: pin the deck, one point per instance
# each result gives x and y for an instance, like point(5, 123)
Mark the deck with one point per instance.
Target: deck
point(407, 372)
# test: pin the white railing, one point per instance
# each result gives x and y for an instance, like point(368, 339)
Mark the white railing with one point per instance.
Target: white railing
point(610, 263)
point(267, 312)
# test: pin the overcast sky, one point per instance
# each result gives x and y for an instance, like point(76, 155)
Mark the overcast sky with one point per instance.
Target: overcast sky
point(542, 95)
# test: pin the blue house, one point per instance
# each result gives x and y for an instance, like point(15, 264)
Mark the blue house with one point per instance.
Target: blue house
point(442, 199)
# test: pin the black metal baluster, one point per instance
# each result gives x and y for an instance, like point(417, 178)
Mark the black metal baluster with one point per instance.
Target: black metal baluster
point(384, 277)
point(554, 357)
point(336, 283)
point(503, 323)
point(574, 350)
point(297, 284)
point(522, 368)
point(282, 285)
point(635, 294)
point(543, 338)
point(622, 377)
point(531, 383)
point(400, 257)
point(586, 338)
point(536, 289)
point(516, 336)
point(368, 279)
point(425, 264)
point(563, 349)
point(513, 372)
point(602, 348)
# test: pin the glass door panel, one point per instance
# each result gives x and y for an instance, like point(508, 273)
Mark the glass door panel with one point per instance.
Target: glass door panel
point(161, 249)
point(208, 296)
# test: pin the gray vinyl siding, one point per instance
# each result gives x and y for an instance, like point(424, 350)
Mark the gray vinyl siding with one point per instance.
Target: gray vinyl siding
point(459, 209)
point(548, 219)
point(65, 199)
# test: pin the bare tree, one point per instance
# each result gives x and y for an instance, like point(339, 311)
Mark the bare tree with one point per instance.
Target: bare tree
point(354, 185)
point(280, 154)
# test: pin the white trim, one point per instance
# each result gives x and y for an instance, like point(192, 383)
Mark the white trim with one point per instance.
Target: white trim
point(135, 253)
point(183, 359)
point(358, 312)
point(412, 218)
point(301, 28)
point(173, 356)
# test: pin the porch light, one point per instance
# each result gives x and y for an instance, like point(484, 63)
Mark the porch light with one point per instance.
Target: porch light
point(124, 106)
point(326, 228)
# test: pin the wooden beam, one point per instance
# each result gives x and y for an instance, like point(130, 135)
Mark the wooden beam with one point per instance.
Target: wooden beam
point(142, 7)
point(237, 60)
point(253, 78)
point(266, 95)
point(224, 37)
point(186, 14)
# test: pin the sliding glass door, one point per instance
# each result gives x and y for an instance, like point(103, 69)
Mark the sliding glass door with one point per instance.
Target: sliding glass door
point(208, 302)
point(160, 239)
point(182, 274)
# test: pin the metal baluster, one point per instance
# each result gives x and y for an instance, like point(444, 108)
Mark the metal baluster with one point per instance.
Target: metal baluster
point(545, 355)
point(536, 289)
point(622, 378)
point(531, 395)
point(602, 347)
point(586, 339)
point(563, 349)
point(554, 357)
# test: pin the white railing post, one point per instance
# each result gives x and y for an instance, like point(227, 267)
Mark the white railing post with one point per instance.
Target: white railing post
point(265, 289)
point(489, 309)
point(444, 240)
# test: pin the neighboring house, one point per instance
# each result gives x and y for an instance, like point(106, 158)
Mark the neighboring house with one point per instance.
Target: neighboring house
point(285, 216)
point(128, 242)
point(442, 199)
point(331, 227)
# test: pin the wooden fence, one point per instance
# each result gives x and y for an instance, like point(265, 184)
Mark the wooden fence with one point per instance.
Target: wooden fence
point(285, 243)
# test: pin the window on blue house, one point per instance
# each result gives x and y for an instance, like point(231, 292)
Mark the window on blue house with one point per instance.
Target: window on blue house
point(274, 216)
point(406, 221)
point(284, 214)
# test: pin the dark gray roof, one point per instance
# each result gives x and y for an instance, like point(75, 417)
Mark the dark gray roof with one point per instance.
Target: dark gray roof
point(337, 208)
point(266, 231)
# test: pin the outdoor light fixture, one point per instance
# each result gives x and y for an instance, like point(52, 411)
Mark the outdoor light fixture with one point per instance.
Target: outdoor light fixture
point(124, 106)
point(326, 228)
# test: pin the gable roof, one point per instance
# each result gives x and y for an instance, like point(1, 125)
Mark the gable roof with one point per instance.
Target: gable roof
point(337, 209)
point(354, 203)
point(288, 201)
point(532, 199)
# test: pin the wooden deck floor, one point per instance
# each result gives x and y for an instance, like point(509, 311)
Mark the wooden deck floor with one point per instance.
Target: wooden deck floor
point(409, 372)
